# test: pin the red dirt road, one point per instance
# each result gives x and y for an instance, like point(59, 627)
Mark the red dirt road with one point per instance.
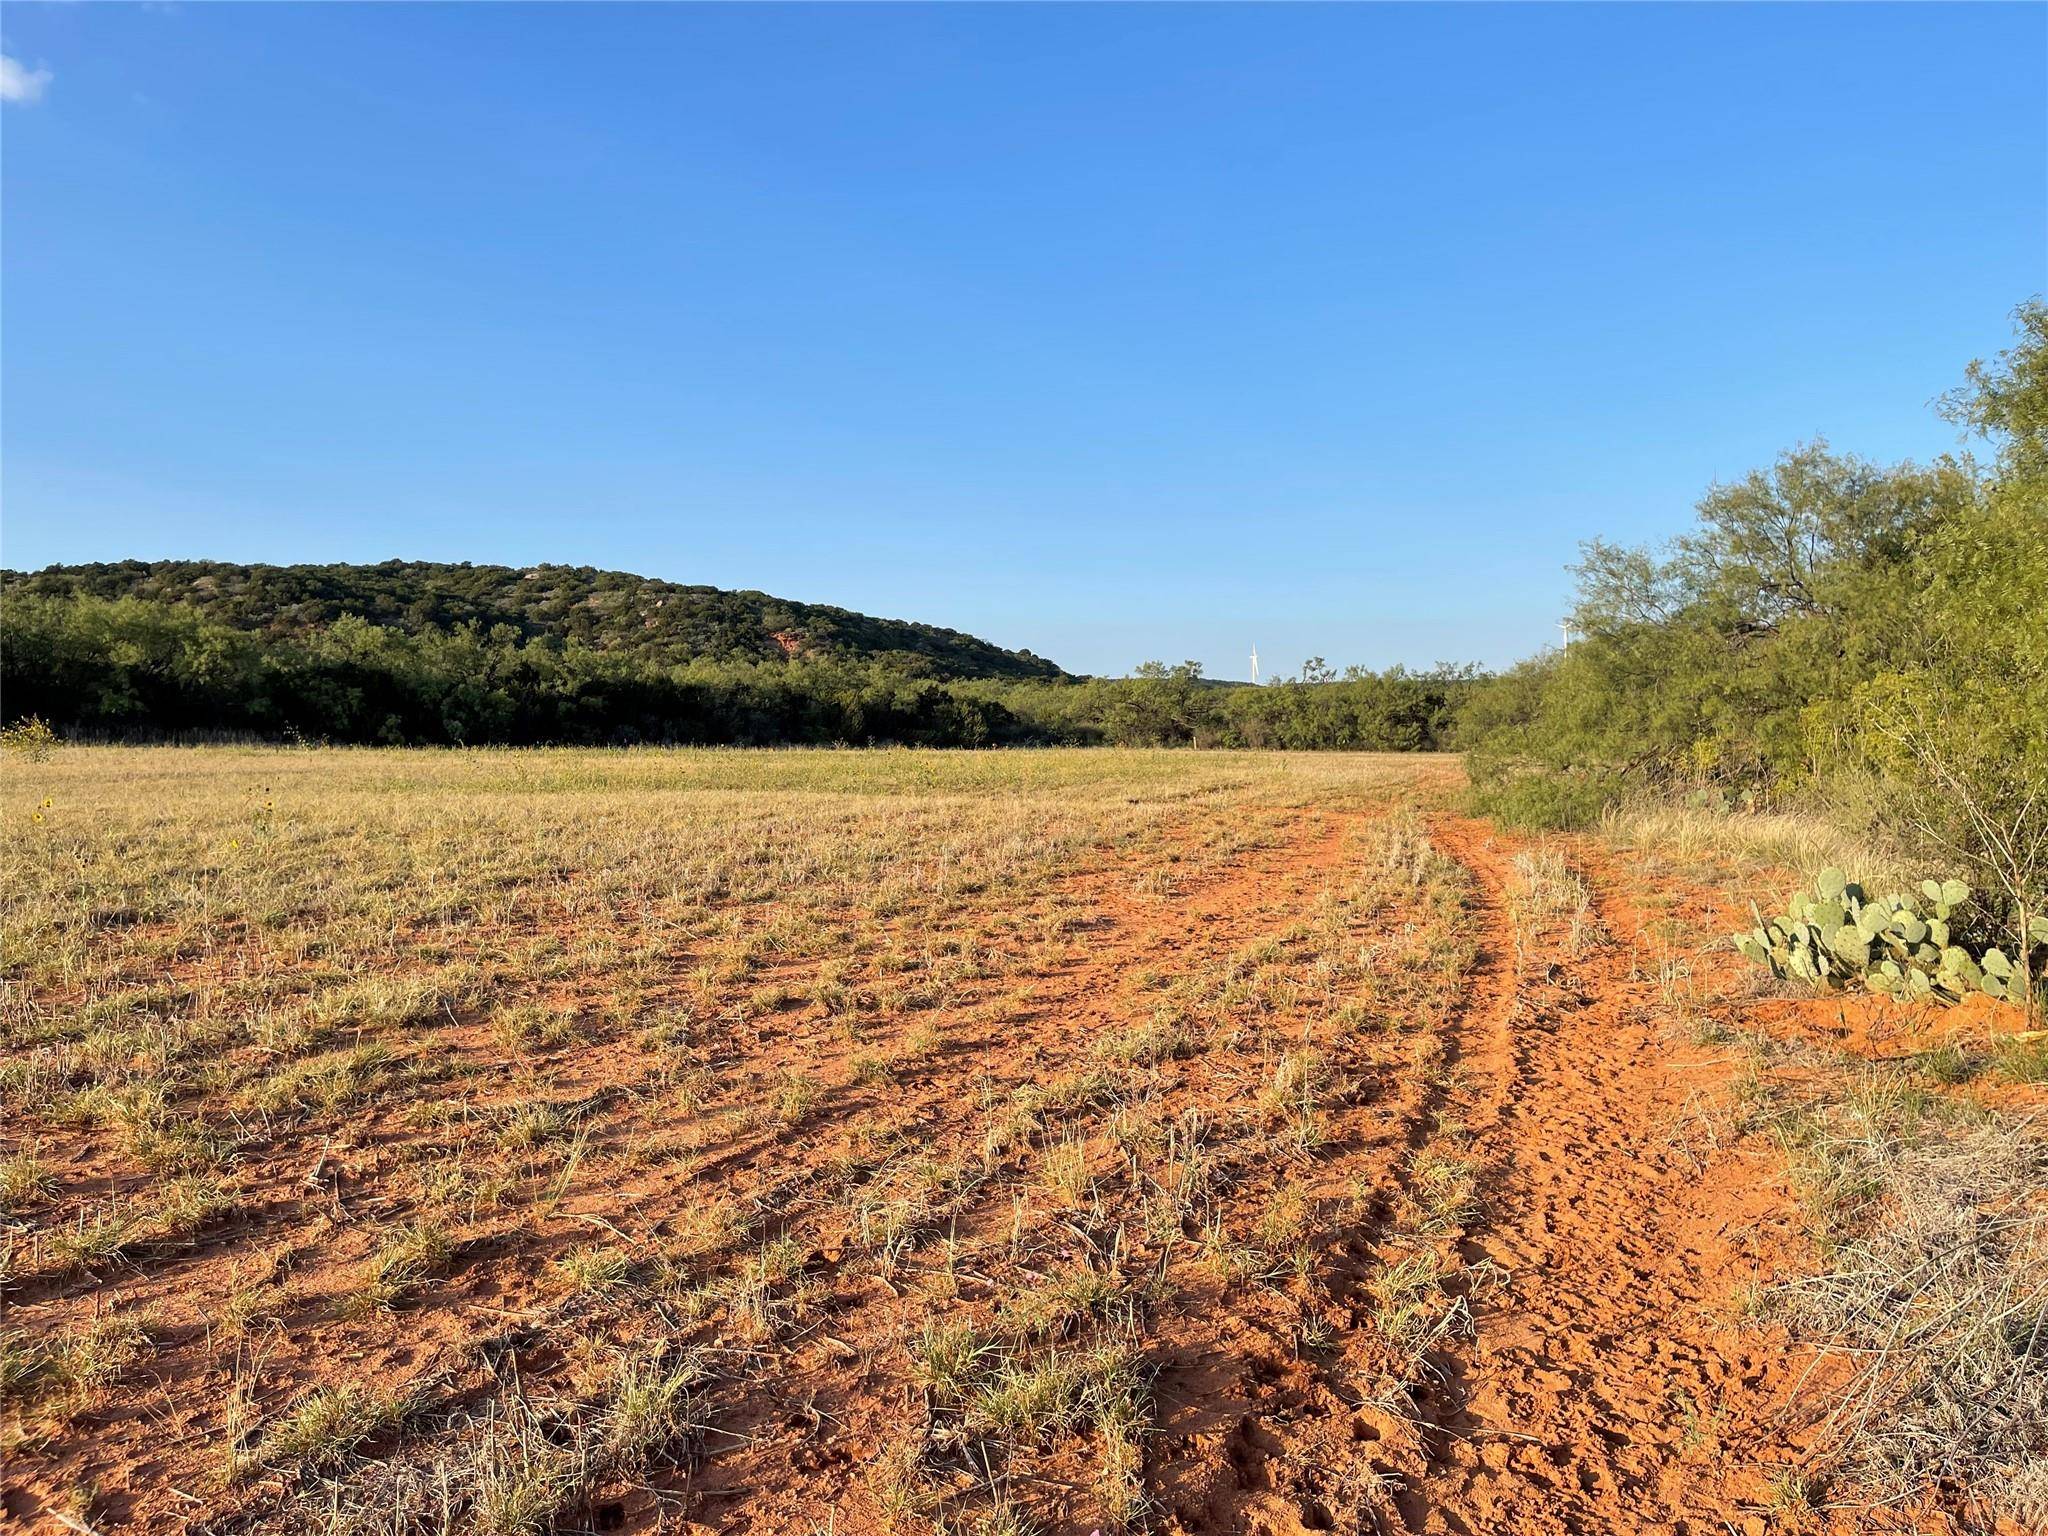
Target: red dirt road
point(1607, 1387)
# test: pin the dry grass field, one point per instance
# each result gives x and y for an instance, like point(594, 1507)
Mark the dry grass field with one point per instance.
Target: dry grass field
point(905, 1141)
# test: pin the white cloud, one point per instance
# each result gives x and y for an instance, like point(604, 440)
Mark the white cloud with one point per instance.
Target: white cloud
point(20, 84)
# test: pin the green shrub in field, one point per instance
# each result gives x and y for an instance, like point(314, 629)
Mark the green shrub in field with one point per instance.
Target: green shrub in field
point(1912, 946)
point(29, 738)
point(1539, 801)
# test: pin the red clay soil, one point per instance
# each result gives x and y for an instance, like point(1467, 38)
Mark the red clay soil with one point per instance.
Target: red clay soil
point(794, 1441)
point(798, 1453)
point(1607, 1387)
point(1606, 1383)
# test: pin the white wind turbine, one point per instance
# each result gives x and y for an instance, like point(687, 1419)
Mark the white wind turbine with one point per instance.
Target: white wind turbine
point(1255, 664)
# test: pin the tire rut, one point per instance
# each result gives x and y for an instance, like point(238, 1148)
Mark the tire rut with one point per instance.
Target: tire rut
point(1605, 1387)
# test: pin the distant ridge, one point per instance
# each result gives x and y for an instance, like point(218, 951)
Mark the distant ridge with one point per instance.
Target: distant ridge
point(659, 622)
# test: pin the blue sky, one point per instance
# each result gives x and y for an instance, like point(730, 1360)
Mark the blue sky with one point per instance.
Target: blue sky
point(1112, 332)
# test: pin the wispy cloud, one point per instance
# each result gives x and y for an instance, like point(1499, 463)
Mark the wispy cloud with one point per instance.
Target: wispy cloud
point(18, 83)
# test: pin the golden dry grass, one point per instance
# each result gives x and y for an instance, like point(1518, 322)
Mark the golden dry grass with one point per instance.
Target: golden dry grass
point(434, 1125)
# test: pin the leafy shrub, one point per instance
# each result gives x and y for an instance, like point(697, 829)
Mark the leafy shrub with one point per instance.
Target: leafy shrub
point(29, 738)
point(1546, 802)
point(1826, 621)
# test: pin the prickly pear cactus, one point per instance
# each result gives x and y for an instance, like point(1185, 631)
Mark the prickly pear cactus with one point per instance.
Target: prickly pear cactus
point(1903, 945)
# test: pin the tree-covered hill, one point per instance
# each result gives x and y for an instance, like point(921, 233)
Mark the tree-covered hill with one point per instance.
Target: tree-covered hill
point(413, 654)
point(657, 623)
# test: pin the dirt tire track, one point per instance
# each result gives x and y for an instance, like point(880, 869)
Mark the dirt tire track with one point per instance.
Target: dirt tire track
point(1477, 1067)
point(1259, 1435)
point(1606, 1387)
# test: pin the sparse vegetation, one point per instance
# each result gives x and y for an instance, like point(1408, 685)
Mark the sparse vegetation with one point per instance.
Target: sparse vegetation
point(327, 1424)
point(514, 1120)
point(576, 1098)
point(1935, 1289)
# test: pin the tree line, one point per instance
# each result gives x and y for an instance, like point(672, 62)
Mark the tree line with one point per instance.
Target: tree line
point(1867, 640)
point(133, 668)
